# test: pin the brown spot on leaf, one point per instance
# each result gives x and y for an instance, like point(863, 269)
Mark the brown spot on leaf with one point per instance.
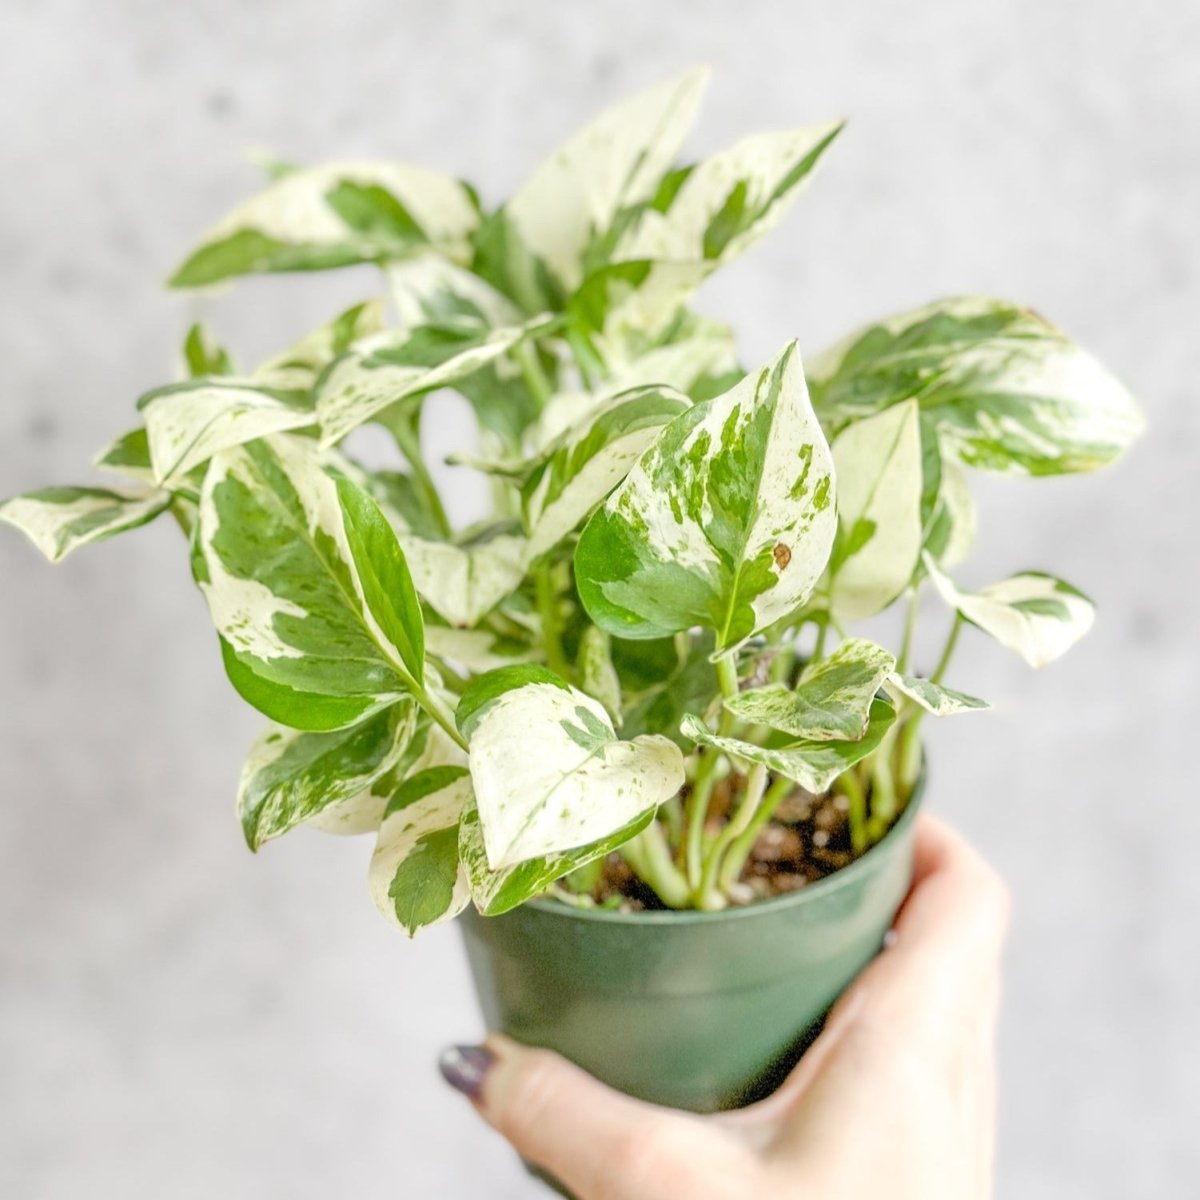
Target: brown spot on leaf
point(783, 555)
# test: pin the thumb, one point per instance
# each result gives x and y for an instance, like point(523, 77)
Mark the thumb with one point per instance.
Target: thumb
point(600, 1144)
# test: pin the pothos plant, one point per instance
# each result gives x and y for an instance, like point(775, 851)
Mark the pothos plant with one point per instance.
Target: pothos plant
point(663, 595)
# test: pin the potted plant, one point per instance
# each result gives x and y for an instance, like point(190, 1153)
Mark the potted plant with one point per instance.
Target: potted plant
point(622, 722)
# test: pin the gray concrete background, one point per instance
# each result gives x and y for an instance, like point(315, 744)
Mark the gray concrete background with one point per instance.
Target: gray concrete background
point(180, 1019)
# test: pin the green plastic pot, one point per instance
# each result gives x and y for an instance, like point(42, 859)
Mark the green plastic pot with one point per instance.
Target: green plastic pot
point(696, 1010)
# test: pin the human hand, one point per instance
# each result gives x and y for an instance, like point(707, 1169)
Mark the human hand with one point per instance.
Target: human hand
point(896, 1097)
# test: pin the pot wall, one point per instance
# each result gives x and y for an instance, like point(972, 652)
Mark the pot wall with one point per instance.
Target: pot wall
point(701, 1011)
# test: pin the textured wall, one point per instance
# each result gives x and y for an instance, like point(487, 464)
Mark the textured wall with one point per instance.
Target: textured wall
point(180, 1019)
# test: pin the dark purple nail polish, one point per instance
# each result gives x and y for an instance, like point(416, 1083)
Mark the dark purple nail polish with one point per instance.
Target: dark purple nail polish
point(465, 1068)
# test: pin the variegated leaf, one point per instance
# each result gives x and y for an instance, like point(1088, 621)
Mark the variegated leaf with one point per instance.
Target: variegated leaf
point(549, 772)
point(307, 587)
point(128, 455)
point(462, 583)
point(878, 464)
point(812, 764)
point(932, 697)
point(204, 355)
point(415, 876)
point(582, 466)
point(950, 532)
point(363, 383)
point(1007, 391)
point(725, 522)
point(429, 746)
point(298, 367)
point(476, 650)
point(612, 164)
point(187, 423)
point(60, 519)
point(1036, 615)
point(833, 700)
point(291, 776)
point(427, 289)
point(727, 202)
point(332, 216)
point(495, 892)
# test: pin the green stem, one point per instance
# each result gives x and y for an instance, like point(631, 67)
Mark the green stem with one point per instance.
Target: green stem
point(547, 603)
point(408, 440)
point(822, 633)
point(708, 895)
point(739, 849)
point(910, 625)
point(591, 366)
point(527, 359)
point(727, 676)
point(908, 756)
point(650, 857)
point(948, 652)
point(852, 788)
point(883, 787)
point(440, 713)
point(697, 813)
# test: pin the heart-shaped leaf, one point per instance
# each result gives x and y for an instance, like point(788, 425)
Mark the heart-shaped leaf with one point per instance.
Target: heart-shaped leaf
point(726, 521)
point(1036, 615)
point(833, 700)
point(1006, 390)
point(415, 877)
point(550, 774)
point(812, 764)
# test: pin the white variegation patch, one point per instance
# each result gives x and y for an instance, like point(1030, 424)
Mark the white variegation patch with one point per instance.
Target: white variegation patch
point(878, 463)
point(415, 892)
point(760, 166)
point(187, 424)
point(550, 773)
point(358, 387)
point(614, 162)
point(128, 455)
point(473, 650)
point(59, 520)
point(464, 583)
point(1036, 615)
point(957, 507)
point(297, 367)
point(932, 697)
point(428, 287)
point(294, 209)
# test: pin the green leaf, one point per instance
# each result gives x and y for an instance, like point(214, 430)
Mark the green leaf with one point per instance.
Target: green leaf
point(429, 290)
point(879, 480)
point(361, 384)
point(332, 216)
point(291, 776)
point(932, 697)
point(128, 455)
point(812, 764)
point(496, 892)
point(60, 519)
point(415, 877)
point(950, 530)
point(726, 521)
point(187, 423)
point(686, 686)
point(582, 465)
point(729, 201)
point(549, 772)
point(613, 163)
point(305, 582)
point(1006, 391)
point(833, 700)
point(204, 356)
point(1036, 615)
point(299, 366)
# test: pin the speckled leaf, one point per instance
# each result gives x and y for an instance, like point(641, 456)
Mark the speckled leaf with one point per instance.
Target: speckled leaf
point(362, 383)
point(812, 764)
point(465, 582)
point(415, 876)
point(832, 701)
point(726, 203)
point(932, 697)
point(306, 585)
point(613, 163)
point(187, 423)
point(291, 776)
point(496, 892)
point(583, 465)
point(879, 479)
point(725, 522)
point(60, 519)
point(1036, 615)
point(1007, 391)
point(332, 216)
point(549, 772)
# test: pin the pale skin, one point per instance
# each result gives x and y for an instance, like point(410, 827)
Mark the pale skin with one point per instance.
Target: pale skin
point(896, 1097)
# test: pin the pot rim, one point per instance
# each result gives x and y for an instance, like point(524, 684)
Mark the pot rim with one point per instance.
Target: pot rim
point(691, 916)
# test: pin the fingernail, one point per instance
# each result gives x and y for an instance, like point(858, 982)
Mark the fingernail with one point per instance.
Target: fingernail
point(465, 1068)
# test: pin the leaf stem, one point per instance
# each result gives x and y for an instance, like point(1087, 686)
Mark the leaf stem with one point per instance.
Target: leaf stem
point(433, 705)
point(852, 788)
point(910, 625)
point(650, 856)
point(727, 676)
point(697, 813)
point(525, 354)
point(822, 632)
point(408, 440)
point(708, 895)
point(948, 652)
point(547, 604)
point(743, 843)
